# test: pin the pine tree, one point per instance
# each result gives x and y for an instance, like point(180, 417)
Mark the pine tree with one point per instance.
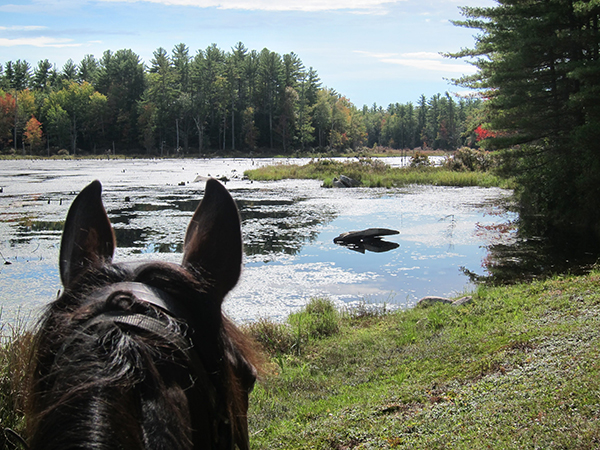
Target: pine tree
point(538, 69)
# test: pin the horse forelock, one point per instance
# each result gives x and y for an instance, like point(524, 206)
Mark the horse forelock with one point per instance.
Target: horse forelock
point(130, 389)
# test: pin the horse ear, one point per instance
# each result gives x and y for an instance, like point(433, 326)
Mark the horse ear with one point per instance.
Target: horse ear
point(88, 240)
point(213, 241)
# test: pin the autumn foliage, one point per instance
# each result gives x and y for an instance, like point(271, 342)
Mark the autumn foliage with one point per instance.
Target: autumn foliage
point(481, 133)
point(7, 117)
point(33, 133)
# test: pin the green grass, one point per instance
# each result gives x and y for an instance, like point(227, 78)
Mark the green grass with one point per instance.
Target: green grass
point(375, 173)
point(517, 368)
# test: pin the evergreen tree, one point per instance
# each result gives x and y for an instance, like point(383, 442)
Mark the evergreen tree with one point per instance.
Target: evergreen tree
point(538, 69)
point(43, 76)
point(69, 71)
point(121, 78)
point(88, 70)
point(22, 75)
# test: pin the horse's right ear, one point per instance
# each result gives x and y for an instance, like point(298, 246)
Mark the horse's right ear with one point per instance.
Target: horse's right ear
point(88, 240)
point(213, 241)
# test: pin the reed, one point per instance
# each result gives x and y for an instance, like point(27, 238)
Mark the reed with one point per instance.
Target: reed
point(15, 344)
point(375, 173)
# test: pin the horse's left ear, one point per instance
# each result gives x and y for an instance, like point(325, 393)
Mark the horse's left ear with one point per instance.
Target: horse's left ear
point(213, 241)
point(88, 240)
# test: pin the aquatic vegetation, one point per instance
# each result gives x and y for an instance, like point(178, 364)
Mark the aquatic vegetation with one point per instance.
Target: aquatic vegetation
point(375, 173)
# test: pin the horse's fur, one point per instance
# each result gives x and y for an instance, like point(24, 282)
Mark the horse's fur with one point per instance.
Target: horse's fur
point(103, 383)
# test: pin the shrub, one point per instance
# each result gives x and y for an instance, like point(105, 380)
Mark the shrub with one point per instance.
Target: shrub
point(468, 159)
point(419, 160)
point(319, 318)
point(276, 338)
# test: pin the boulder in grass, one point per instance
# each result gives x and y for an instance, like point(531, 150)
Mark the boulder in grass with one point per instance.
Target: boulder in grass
point(344, 182)
point(432, 299)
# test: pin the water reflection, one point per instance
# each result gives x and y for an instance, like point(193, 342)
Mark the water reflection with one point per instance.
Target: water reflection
point(162, 248)
point(288, 228)
point(275, 226)
point(270, 226)
point(525, 257)
point(375, 245)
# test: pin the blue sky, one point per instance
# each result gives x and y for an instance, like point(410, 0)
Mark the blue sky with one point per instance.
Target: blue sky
point(371, 51)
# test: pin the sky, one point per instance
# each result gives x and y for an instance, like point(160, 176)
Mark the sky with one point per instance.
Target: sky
point(370, 51)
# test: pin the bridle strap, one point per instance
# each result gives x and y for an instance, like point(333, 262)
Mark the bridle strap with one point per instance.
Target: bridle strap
point(166, 303)
point(156, 327)
point(145, 293)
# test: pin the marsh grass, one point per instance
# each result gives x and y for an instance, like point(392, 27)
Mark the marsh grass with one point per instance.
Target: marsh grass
point(15, 344)
point(516, 368)
point(375, 173)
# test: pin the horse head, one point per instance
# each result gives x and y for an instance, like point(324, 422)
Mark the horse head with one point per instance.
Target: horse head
point(139, 355)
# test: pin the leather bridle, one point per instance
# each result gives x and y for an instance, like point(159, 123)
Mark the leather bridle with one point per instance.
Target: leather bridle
point(184, 345)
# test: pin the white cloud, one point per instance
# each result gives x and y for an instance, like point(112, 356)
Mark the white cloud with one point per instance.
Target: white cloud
point(277, 5)
point(376, 55)
point(23, 28)
point(429, 61)
point(430, 64)
point(41, 41)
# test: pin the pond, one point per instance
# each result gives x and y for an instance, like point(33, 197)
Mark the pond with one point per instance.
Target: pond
point(288, 229)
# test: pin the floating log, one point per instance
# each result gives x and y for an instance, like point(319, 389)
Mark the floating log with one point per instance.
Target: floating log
point(354, 237)
point(369, 239)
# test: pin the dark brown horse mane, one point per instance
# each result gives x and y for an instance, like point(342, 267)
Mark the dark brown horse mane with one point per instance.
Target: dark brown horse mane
point(102, 383)
point(98, 392)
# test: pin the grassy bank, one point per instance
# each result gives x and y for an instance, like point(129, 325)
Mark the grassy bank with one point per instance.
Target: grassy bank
point(375, 173)
point(516, 368)
point(14, 345)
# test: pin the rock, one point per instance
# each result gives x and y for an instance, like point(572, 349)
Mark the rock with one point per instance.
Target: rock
point(463, 301)
point(354, 237)
point(369, 239)
point(344, 182)
point(432, 299)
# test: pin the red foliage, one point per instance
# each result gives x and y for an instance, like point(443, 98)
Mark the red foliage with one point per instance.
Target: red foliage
point(7, 117)
point(482, 133)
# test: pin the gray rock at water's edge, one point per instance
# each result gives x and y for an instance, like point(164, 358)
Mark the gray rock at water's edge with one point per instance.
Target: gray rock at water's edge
point(432, 299)
point(201, 178)
point(462, 301)
point(344, 182)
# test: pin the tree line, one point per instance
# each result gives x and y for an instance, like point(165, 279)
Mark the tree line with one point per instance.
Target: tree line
point(240, 100)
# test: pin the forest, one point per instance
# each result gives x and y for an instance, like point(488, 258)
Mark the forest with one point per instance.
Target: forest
point(215, 101)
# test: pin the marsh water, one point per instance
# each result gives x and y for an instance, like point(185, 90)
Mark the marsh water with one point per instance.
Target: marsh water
point(288, 229)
